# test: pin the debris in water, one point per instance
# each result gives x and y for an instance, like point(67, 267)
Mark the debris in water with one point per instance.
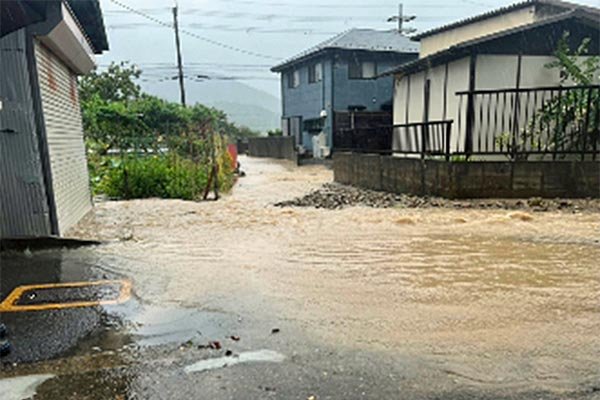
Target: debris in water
point(187, 344)
point(126, 237)
point(4, 348)
point(248, 357)
point(521, 216)
point(405, 221)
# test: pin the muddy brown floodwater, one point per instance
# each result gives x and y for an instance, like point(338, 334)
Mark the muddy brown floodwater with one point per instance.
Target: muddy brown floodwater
point(489, 296)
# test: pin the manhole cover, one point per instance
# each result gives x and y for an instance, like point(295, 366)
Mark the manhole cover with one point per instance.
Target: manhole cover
point(66, 295)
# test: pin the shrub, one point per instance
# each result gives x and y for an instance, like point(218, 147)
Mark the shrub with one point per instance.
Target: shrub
point(164, 176)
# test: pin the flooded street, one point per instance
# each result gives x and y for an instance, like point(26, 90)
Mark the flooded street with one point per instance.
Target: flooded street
point(351, 303)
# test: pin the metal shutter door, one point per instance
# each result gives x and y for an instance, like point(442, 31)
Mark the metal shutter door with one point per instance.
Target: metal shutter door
point(64, 132)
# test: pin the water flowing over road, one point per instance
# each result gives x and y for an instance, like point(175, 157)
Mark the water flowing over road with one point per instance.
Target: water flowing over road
point(433, 301)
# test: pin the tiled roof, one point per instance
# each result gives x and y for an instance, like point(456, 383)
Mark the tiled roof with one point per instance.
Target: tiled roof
point(358, 39)
point(502, 10)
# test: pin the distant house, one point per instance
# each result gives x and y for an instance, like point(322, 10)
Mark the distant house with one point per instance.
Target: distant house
point(480, 85)
point(323, 87)
point(44, 180)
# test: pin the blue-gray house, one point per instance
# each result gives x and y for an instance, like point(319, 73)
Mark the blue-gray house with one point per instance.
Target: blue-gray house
point(321, 86)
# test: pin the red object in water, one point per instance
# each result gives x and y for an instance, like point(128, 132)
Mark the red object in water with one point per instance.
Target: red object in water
point(233, 153)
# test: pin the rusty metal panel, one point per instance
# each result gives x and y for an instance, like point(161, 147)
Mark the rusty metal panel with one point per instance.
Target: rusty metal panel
point(23, 202)
point(64, 134)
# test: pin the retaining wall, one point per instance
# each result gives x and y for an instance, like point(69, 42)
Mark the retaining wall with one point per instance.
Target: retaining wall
point(473, 179)
point(274, 147)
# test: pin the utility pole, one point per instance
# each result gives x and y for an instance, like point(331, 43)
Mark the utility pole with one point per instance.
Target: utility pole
point(401, 19)
point(179, 61)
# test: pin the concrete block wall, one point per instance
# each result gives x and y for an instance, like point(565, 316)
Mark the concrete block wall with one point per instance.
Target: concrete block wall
point(282, 147)
point(473, 179)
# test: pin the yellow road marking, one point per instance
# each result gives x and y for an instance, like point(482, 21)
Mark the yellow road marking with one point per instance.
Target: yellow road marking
point(9, 303)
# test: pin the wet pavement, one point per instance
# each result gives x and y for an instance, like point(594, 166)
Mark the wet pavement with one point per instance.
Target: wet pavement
point(239, 299)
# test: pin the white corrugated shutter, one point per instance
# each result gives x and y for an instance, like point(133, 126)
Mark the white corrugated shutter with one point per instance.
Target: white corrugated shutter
point(64, 130)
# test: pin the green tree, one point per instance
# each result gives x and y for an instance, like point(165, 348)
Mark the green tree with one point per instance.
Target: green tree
point(117, 83)
point(164, 149)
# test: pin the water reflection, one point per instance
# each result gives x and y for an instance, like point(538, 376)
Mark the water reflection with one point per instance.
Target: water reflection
point(45, 334)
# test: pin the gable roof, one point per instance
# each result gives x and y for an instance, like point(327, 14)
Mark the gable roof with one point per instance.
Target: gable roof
point(358, 39)
point(566, 6)
point(15, 15)
point(460, 50)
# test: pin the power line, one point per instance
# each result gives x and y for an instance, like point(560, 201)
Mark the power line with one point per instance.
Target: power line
point(299, 17)
point(226, 28)
point(192, 34)
point(304, 5)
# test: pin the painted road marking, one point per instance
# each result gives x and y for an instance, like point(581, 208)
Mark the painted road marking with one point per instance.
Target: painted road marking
point(10, 303)
point(21, 387)
point(247, 357)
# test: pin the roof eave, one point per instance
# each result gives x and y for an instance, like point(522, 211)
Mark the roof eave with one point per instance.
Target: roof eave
point(288, 64)
point(464, 48)
point(496, 12)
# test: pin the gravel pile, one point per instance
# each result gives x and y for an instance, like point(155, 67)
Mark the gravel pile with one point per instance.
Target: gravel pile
point(336, 196)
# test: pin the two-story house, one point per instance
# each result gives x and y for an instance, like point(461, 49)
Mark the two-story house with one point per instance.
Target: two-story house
point(340, 76)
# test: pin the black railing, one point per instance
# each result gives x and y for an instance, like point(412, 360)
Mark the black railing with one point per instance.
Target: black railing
point(366, 140)
point(545, 122)
point(517, 123)
point(423, 138)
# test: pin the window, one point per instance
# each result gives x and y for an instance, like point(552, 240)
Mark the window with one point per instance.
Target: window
point(369, 70)
point(315, 73)
point(362, 70)
point(293, 79)
point(314, 125)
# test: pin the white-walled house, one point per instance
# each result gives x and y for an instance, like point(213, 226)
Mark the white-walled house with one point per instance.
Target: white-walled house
point(488, 76)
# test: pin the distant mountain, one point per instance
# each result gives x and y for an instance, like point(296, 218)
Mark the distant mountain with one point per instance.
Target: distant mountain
point(243, 104)
point(250, 115)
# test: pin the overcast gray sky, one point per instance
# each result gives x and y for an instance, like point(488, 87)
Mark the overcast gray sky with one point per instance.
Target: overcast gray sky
point(264, 31)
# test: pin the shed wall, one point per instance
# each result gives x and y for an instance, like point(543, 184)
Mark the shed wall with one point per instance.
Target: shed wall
point(24, 207)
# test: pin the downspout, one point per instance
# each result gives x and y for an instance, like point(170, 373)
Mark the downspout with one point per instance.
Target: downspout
point(41, 133)
point(324, 103)
point(332, 99)
point(283, 99)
